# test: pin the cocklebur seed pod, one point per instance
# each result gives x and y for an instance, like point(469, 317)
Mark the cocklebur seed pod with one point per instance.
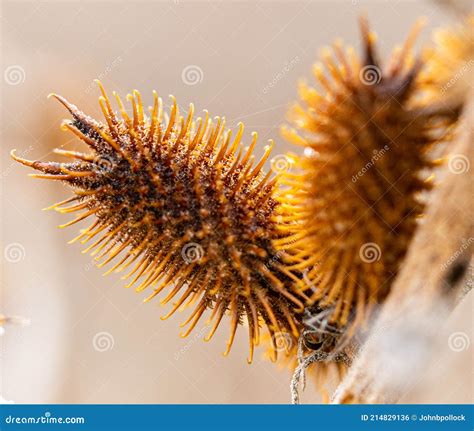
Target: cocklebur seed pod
point(185, 207)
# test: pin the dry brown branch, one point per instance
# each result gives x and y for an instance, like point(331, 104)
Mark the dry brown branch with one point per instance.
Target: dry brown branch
point(435, 275)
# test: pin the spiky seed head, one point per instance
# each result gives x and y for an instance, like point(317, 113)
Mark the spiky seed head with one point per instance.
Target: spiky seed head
point(355, 201)
point(185, 207)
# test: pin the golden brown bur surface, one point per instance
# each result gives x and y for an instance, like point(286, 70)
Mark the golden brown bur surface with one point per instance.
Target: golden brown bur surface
point(186, 208)
point(354, 203)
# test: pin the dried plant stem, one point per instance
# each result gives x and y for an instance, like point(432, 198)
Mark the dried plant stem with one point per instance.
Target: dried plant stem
point(433, 278)
point(299, 375)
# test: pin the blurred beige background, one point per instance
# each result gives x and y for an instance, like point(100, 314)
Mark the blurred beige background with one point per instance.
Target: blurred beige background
point(237, 59)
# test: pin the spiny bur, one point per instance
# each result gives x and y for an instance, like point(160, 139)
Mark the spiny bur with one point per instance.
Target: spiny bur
point(185, 207)
point(351, 209)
